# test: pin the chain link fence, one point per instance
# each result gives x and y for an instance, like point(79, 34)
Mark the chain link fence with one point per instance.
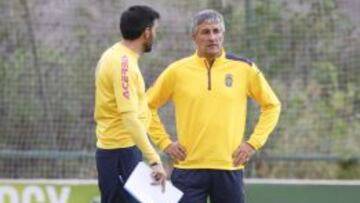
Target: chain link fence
point(308, 49)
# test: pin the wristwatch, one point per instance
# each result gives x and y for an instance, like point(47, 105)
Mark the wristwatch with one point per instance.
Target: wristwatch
point(154, 164)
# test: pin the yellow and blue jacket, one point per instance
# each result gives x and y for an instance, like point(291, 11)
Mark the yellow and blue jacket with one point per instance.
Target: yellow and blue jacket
point(210, 108)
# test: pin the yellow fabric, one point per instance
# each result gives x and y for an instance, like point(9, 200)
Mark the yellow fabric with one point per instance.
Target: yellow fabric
point(119, 88)
point(210, 108)
point(138, 132)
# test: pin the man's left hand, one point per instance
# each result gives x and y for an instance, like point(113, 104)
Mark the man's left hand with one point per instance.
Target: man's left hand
point(243, 154)
point(159, 175)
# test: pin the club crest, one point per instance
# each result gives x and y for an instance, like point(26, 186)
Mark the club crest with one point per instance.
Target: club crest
point(228, 80)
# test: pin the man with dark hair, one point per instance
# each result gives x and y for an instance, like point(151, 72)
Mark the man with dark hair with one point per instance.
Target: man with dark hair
point(209, 91)
point(121, 111)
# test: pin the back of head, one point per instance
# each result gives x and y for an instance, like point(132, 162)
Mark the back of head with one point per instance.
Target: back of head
point(207, 16)
point(135, 20)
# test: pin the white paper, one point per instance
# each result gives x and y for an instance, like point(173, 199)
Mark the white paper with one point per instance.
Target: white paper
point(139, 185)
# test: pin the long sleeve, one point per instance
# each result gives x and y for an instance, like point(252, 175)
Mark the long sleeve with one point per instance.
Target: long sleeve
point(158, 95)
point(138, 133)
point(261, 92)
point(126, 84)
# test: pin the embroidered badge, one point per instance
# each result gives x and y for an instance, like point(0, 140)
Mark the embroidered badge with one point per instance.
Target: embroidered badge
point(228, 80)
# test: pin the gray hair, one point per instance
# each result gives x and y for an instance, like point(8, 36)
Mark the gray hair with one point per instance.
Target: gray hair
point(207, 16)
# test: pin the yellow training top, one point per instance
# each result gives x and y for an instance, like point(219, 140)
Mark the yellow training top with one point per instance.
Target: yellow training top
point(210, 108)
point(119, 88)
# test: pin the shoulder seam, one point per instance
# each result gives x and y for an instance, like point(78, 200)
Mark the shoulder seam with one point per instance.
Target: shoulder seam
point(248, 61)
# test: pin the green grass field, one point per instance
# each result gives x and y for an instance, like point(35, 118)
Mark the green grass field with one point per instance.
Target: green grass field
point(257, 191)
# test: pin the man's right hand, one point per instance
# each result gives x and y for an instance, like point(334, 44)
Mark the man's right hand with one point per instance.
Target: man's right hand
point(176, 151)
point(159, 175)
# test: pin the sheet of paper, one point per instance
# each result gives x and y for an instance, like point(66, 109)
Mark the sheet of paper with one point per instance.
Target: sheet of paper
point(139, 185)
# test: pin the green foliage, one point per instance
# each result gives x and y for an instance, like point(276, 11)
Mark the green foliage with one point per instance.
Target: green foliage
point(308, 50)
point(303, 39)
point(348, 169)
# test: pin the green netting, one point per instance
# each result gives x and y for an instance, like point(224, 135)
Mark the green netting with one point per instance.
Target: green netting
point(308, 49)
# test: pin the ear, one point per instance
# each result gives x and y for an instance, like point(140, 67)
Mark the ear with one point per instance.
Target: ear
point(147, 33)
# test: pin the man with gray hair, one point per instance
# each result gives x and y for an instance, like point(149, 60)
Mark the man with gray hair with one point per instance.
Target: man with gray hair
point(209, 91)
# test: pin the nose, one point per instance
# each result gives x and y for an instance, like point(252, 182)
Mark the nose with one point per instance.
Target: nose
point(212, 36)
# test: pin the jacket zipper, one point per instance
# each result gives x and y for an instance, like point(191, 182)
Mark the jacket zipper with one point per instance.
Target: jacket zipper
point(208, 74)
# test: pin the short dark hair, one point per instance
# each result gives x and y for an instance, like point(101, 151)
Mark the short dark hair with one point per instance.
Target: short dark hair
point(135, 20)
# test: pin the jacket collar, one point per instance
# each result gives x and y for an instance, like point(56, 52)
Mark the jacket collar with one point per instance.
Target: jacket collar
point(202, 60)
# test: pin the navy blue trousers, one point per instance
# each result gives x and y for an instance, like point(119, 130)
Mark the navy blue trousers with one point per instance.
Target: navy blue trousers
point(114, 168)
point(222, 186)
